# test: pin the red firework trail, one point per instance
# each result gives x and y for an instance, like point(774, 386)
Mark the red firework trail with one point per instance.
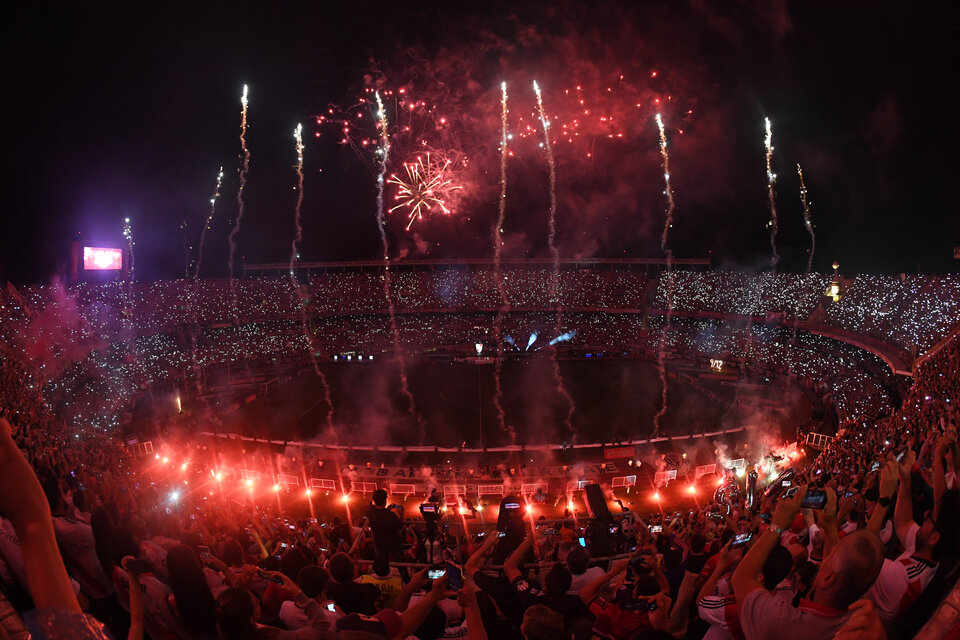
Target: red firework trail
point(664, 246)
point(384, 152)
point(298, 235)
point(555, 253)
point(497, 255)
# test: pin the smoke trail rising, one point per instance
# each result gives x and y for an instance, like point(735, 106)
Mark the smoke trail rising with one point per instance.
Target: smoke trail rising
point(497, 275)
point(668, 252)
point(294, 256)
point(555, 253)
point(806, 218)
point(245, 152)
point(771, 179)
point(384, 152)
point(206, 226)
point(195, 286)
point(187, 248)
point(813, 245)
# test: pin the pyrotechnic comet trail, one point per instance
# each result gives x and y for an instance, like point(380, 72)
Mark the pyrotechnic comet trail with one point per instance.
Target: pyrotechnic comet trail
point(806, 218)
point(203, 232)
point(664, 246)
point(245, 153)
point(555, 253)
point(497, 238)
point(191, 298)
point(294, 256)
point(298, 233)
point(808, 223)
point(384, 152)
point(128, 236)
point(771, 179)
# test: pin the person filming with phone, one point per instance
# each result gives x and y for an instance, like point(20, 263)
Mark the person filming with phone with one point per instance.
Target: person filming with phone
point(850, 567)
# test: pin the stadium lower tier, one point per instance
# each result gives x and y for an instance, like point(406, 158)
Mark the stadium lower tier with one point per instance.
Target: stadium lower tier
point(718, 374)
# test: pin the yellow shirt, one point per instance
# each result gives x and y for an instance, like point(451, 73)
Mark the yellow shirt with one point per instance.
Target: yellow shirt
point(389, 587)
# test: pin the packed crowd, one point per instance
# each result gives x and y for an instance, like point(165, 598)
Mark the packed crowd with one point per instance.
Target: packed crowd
point(865, 547)
point(469, 290)
point(94, 342)
point(115, 373)
point(745, 294)
point(856, 381)
point(911, 313)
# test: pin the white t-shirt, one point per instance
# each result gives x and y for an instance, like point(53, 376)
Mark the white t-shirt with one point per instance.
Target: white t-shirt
point(455, 626)
point(293, 617)
point(75, 539)
point(585, 578)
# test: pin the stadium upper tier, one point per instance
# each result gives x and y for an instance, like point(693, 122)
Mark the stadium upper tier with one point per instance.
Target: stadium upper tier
point(909, 313)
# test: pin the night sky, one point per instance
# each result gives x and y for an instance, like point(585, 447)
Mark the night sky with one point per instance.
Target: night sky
point(115, 111)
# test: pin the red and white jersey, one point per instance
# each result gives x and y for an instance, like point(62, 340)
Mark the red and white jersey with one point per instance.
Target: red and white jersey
point(723, 616)
point(901, 581)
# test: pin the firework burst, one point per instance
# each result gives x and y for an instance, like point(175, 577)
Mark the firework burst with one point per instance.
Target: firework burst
point(427, 187)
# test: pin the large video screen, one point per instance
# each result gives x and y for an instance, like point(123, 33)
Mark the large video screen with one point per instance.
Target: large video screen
point(102, 259)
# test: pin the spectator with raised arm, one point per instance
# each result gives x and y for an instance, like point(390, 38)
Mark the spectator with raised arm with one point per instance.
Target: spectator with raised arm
point(556, 585)
point(902, 580)
point(238, 611)
point(56, 608)
point(645, 606)
point(848, 570)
